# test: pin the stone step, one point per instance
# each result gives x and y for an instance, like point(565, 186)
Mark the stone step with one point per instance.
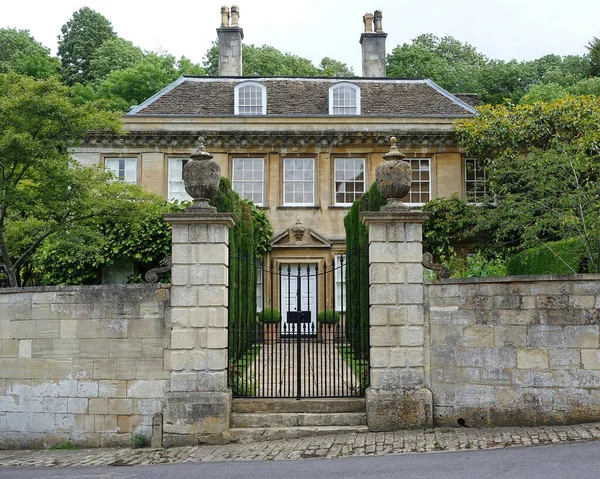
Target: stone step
point(298, 419)
point(256, 434)
point(332, 405)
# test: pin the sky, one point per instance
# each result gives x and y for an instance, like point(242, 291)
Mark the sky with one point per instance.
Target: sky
point(501, 29)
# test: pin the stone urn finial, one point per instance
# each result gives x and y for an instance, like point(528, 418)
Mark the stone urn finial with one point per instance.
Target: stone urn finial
point(393, 177)
point(201, 179)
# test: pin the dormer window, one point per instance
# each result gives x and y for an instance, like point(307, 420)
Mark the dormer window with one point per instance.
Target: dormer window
point(250, 99)
point(344, 99)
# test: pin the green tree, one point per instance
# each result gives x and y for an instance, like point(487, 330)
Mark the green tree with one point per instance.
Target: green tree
point(448, 62)
point(112, 55)
point(263, 61)
point(594, 56)
point(334, 68)
point(80, 37)
point(19, 52)
point(131, 86)
point(42, 191)
point(141, 237)
point(544, 171)
point(547, 92)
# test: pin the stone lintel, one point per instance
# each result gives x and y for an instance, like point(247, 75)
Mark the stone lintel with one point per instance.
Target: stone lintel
point(208, 218)
point(393, 216)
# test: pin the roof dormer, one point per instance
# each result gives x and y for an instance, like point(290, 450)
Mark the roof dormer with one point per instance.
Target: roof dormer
point(250, 98)
point(344, 99)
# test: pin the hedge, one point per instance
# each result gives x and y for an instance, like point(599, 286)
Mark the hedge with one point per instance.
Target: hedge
point(558, 257)
point(357, 271)
point(246, 244)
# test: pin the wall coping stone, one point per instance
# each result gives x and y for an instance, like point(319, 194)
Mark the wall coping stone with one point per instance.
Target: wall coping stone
point(85, 288)
point(227, 219)
point(515, 279)
point(394, 216)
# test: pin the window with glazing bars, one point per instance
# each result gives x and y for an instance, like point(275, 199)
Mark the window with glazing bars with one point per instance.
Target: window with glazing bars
point(298, 181)
point(420, 188)
point(125, 169)
point(248, 178)
point(475, 180)
point(349, 180)
point(344, 100)
point(176, 189)
point(250, 100)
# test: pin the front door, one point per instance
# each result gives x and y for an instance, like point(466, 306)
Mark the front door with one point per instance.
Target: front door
point(291, 275)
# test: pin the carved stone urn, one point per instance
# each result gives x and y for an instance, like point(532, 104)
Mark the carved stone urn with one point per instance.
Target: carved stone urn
point(394, 177)
point(201, 179)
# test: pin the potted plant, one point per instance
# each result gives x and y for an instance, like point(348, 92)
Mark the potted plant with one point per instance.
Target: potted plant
point(328, 321)
point(271, 318)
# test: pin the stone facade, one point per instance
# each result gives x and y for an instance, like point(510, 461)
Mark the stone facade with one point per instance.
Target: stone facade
point(517, 350)
point(84, 364)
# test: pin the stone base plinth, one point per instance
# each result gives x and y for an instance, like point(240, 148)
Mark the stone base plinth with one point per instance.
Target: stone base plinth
point(196, 418)
point(390, 410)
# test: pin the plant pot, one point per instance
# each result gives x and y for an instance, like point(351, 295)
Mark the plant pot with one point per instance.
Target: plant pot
point(327, 332)
point(271, 332)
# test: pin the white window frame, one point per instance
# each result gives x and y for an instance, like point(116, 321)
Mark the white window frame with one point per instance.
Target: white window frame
point(238, 184)
point(413, 193)
point(179, 181)
point(355, 107)
point(291, 182)
point(236, 97)
point(340, 282)
point(480, 193)
point(109, 160)
point(259, 289)
point(337, 180)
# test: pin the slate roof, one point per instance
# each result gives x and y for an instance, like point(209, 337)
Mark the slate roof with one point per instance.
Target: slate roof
point(202, 96)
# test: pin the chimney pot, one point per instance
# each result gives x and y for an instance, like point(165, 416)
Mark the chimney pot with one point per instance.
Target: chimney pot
point(368, 21)
point(224, 16)
point(235, 16)
point(378, 18)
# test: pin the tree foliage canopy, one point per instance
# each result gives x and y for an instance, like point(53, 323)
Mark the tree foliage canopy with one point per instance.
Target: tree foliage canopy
point(268, 61)
point(78, 42)
point(41, 190)
point(543, 164)
point(19, 52)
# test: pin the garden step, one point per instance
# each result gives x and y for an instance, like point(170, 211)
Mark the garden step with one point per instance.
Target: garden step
point(297, 419)
point(255, 434)
point(343, 405)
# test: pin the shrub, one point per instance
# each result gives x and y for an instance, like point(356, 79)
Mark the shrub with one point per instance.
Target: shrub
point(559, 257)
point(269, 316)
point(138, 440)
point(328, 317)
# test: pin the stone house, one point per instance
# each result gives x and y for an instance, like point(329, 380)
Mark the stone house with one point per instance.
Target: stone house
point(301, 148)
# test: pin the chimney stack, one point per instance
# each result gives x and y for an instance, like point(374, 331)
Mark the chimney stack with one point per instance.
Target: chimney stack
point(230, 42)
point(373, 46)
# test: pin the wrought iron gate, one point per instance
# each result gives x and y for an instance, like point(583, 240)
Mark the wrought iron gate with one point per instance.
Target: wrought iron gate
point(297, 339)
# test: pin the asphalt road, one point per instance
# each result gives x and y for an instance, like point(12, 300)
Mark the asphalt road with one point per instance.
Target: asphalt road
point(581, 461)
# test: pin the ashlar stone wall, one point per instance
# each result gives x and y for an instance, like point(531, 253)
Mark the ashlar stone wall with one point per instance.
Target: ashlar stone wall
point(517, 350)
point(83, 364)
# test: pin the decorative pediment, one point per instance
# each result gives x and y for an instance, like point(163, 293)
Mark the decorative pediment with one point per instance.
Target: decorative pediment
point(300, 236)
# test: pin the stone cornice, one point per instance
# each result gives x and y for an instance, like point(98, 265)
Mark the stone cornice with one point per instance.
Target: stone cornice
point(271, 139)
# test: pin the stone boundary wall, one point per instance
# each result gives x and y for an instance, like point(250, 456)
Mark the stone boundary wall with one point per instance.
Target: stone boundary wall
point(81, 363)
point(514, 351)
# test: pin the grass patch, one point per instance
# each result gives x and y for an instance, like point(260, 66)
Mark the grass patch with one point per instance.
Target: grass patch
point(65, 446)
